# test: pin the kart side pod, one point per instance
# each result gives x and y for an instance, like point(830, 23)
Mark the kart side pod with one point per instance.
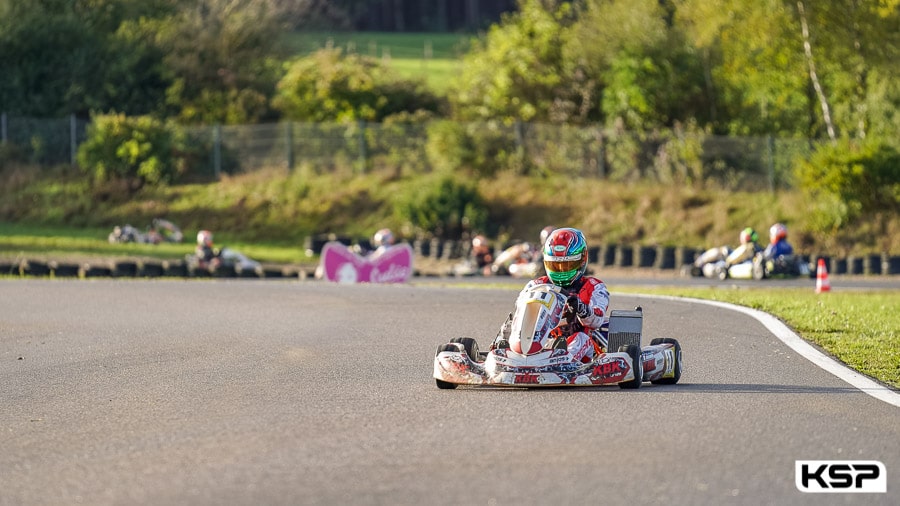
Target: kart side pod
point(625, 327)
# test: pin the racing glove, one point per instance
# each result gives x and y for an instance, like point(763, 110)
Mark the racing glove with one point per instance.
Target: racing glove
point(581, 309)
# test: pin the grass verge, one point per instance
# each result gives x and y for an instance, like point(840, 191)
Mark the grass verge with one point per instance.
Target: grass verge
point(859, 329)
point(55, 243)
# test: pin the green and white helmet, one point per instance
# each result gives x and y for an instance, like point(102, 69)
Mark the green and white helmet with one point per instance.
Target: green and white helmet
point(565, 256)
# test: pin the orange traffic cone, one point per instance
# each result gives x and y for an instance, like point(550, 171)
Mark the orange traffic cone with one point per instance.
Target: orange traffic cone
point(822, 284)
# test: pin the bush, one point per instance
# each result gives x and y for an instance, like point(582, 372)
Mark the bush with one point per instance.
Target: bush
point(139, 150)
point(483, 148)
point(331, 86)
point(853, 180)
point(443, 207)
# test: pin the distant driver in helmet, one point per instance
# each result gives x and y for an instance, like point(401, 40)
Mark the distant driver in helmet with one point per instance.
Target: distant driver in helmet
point(382, 240)
point(747, 250)
point(778, 243)
point(565, 261)
point(206, 254)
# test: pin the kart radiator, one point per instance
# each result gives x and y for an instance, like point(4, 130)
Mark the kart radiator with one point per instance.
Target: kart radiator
point(624, 328)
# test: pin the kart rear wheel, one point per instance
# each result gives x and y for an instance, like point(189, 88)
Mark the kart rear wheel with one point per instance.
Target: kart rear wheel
point(470, 345)
point(674, 379)
point(633, 351)
point(759, 269)
point(445, 385)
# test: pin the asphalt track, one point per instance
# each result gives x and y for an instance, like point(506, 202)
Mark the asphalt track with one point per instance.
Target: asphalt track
point(246, 392)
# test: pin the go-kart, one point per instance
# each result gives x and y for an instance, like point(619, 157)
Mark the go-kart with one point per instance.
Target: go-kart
point(785, 266)
point(225, 260)
point(533, 357)
point(760, 267)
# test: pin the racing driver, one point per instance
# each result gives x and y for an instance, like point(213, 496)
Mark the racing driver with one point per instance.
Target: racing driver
point(565, 260)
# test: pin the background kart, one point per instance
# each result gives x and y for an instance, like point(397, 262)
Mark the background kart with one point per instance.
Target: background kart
point(784, 266)
point(532, 360)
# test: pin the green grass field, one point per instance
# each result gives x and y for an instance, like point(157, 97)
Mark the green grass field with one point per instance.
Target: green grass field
point(49, 243)
point(431, 57)
point(412, 46)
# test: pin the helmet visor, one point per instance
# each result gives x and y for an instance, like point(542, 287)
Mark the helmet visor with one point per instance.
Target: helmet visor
point(563, 268)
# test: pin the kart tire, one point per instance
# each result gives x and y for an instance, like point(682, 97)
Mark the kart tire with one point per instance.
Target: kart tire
point(759, 270)
point(634, 351)
point(722, 273)
point(445, 385)
point(674, 379)
point(470, 345)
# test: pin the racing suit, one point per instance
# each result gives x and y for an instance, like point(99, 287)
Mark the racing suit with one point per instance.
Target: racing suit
point(593, 293)
point(206, 256)
point(780, 248)
point(743, 253)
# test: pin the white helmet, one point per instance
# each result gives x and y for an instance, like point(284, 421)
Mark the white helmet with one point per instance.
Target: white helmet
point(777, 233)
point(383, 237)
point(204, 238)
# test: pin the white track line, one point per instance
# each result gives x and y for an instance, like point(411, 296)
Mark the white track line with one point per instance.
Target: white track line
point(795, 342)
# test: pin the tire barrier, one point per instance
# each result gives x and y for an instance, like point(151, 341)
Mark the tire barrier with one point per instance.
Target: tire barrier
point(665, 258)
point(608, 255)
point(624, 256)
point(143, 269)
point(890, 265)
point(646, 257)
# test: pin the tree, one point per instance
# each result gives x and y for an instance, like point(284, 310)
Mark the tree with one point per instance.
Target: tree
point(754, 64)
point(60, 57)
point(224, 59)
point(649, 75)
point(858, 39)
point(853, 180)
point(798, 68)
point(519, 71)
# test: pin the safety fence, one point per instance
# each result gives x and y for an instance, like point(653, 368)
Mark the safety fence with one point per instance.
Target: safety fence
point(673, 156)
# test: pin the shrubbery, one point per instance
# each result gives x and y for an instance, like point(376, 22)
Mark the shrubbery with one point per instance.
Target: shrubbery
point(853, 180)
point(139, 150)
point(332, 86)
point(443, 207)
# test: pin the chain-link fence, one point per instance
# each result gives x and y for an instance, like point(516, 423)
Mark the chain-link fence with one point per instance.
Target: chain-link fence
point(670, 157)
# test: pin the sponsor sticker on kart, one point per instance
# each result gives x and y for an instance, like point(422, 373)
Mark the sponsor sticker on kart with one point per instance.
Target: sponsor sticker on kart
point(605, 370)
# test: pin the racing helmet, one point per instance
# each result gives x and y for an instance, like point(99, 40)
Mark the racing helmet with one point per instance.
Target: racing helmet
point(777, 233)
point(565, 256)
point(479, 242)
point(204, 238)
point(748, 235)
point(383, 237)
point(545, 233)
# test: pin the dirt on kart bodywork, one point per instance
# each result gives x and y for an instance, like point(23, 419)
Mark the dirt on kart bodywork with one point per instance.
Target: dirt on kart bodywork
point(532, 360)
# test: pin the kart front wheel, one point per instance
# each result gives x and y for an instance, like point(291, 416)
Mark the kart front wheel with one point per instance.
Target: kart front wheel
point(470, 345)
point(445, 385)
point(637, 364)
point(674, 379)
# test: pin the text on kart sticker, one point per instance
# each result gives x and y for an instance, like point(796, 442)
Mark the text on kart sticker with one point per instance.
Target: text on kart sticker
point(526, 379)
point(616, 367)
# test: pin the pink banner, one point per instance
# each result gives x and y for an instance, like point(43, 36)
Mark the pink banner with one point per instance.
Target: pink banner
point(391, 265)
